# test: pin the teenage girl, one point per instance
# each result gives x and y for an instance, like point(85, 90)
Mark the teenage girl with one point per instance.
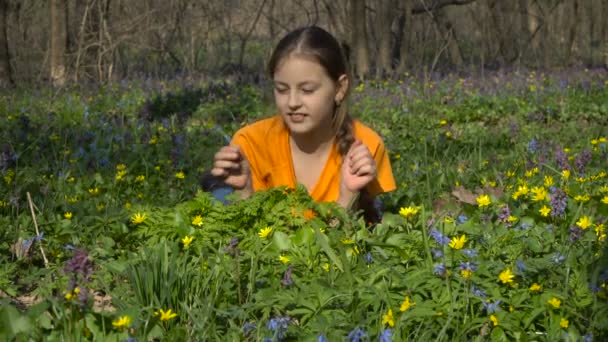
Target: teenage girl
point(312, 140)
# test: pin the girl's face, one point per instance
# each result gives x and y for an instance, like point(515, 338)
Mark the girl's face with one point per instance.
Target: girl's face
point(305, 95)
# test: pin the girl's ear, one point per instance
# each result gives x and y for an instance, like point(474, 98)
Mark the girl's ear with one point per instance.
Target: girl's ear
point(343, 85)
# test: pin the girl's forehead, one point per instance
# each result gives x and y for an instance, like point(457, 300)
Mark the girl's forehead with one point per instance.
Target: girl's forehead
point(299, 64)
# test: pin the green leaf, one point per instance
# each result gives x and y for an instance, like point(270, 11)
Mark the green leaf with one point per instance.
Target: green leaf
point(13, 322)
point(281, 241)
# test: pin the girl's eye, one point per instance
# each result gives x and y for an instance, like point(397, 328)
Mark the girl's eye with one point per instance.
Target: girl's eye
point(280, 90)
point(308, 91)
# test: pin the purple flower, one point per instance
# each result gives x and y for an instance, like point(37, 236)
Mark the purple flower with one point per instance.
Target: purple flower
point(582, 160)
point(232, 247)
point(561, 159)
point(322, 338)
point(575, 233)
point(558, 202)
point(505, 213)
point(80, 266)
point(287, 279)
point(368, 258)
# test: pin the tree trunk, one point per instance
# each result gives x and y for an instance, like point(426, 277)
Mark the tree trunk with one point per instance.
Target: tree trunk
point(6, 75)
point(604, 46)
point(449, 35)
point(571, 38)
point(384, 19)
point(58, 42)
point(359, 38)
point(406, 32)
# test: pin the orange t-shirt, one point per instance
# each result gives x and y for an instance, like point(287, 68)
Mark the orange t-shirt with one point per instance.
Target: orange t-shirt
point(265, 144)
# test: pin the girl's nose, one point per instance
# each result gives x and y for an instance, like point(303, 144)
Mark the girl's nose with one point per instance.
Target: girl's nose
point(294, 101)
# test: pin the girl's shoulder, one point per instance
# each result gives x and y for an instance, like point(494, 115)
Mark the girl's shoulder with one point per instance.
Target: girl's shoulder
point(366, 134)
point(263, 129)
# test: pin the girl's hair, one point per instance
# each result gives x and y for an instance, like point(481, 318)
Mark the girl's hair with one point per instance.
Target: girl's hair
point(320, 44)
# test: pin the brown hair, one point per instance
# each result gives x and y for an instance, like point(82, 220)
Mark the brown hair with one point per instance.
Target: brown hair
point(320, 44)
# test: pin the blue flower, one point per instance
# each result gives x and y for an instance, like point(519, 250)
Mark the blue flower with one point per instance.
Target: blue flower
point(477, 291)
point(439, 237)
point(368, 258)
point(322, 338)
point(469, 266)
point(491, 307)
point(356, 335)
point(469, 252)
point(437, 253)
point(521, 267)
point(248, 327)
point(557, 258)
point(386, 336)
point(439, 269)
point(461, 219)
point(279, 325)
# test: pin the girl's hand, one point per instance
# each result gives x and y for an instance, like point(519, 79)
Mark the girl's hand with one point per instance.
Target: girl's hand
point(358, 170)
point(231, 164)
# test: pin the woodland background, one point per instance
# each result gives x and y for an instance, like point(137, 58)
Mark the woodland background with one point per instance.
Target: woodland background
point(102, 41)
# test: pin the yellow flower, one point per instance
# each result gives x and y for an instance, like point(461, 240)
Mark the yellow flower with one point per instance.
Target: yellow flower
point(326, 267)
point(94, 191)
point(140, 178)
point(180, 175)
point(510, 173)
point(483, 201)
point(73, 294)
point(506, 276)
point(494, 319)
point(284, 259)
point(407, 303)
point(265, 232)
point(101, 206)
point(584, 222)
point(535, 287)
point(605, 200)
point(121, 167)
point(197, 220)
point(582, 198)
point(539, 194)
point(347, 241)
point(566, 174)
point(138, 218)
point(564, 323)
point(548, 181)
point(511, 219)
point(408, 212)
point(388, 319)
point(522, 190)
point(187, 240)
point(604, 189)
point(68, 215)
point(71, 180)
point(165, 315)
point(554, 302)
point(443, 122)
point(122, 322)
point(458, 242)
point(448, 219)
point(544, 211)
point(466, 274)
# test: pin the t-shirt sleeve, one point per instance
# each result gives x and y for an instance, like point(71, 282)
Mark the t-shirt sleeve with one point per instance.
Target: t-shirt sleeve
point(250, 149)
point(384, 182)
